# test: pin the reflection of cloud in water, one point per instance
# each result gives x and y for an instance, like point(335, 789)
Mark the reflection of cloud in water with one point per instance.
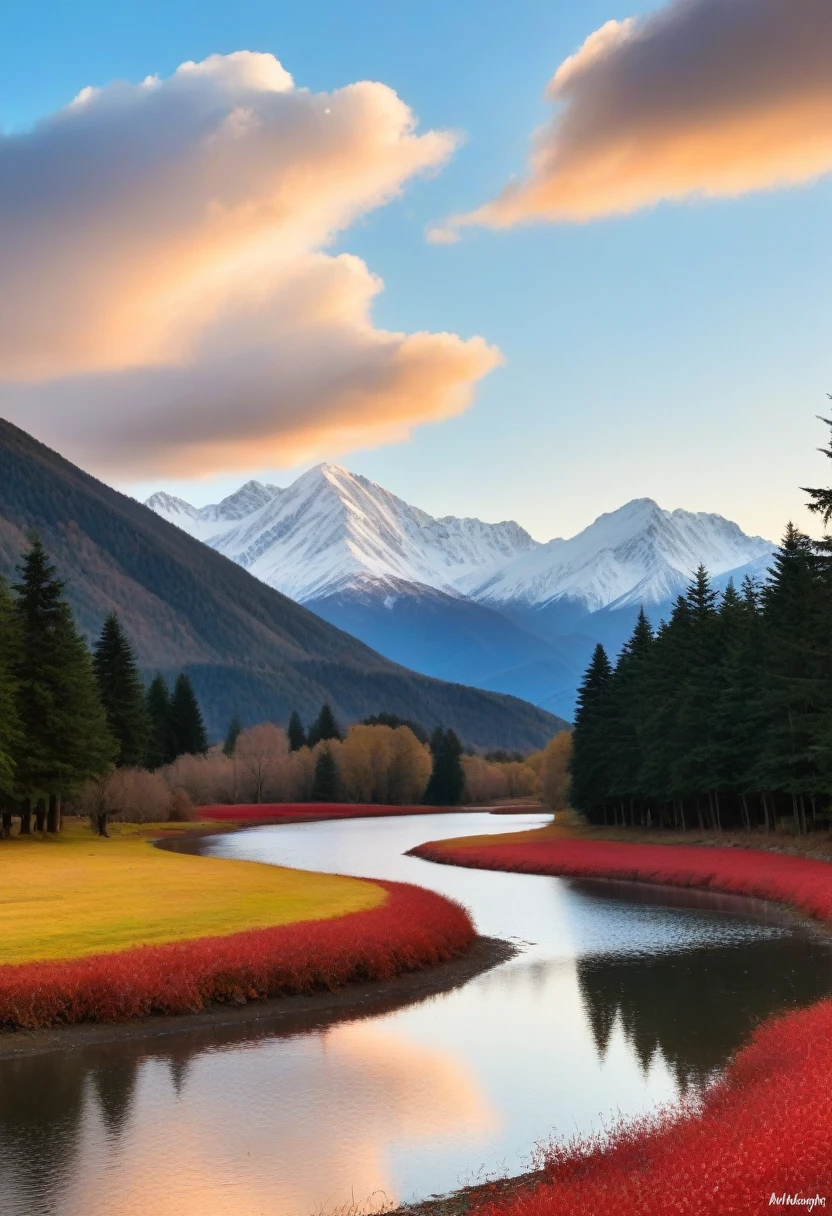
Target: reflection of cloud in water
point(264, 1130)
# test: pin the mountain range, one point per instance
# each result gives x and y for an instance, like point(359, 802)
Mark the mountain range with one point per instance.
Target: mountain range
point(248, 648)
point(459, 599)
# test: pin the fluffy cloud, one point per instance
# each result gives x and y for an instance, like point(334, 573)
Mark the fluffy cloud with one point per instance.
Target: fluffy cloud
point(708, 98)
point(165, 301)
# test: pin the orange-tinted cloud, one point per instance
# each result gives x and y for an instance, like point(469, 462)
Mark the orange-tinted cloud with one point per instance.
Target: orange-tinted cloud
point(703, 98)
point(165, 304)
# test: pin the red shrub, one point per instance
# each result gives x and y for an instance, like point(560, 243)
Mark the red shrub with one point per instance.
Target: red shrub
point(411, 929)
point(799, 881)
point(303, 812)
point(765, 1129)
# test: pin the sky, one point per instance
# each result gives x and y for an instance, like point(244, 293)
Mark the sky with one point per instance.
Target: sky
point(500, 281)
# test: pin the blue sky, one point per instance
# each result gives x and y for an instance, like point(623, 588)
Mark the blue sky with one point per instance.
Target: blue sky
point(680, 353)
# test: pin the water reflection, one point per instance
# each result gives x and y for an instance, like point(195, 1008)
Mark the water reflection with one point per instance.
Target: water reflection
point(614, 1004)
point(698, 1007)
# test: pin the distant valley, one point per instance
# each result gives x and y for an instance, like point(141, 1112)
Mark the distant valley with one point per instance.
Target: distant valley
point(460, 599)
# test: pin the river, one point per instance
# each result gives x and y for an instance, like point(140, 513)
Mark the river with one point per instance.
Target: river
point(619, 998)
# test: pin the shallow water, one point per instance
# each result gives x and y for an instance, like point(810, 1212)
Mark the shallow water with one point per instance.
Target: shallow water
point(621, 998)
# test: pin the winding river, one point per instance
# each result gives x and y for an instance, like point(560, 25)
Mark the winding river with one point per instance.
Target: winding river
point(618, 998)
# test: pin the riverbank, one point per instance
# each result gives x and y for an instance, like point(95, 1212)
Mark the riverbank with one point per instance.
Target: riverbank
point(114, 930)
point(765, 1129)
point(278, 1015)
point(799, 882)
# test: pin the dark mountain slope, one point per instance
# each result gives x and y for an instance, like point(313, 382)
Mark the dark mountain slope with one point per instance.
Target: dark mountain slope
point(248, 648)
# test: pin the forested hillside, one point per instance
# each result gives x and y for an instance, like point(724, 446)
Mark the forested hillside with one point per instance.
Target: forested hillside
point(247, 648)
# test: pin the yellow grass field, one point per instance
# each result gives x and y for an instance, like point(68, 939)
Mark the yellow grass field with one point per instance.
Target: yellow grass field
point(76, 894)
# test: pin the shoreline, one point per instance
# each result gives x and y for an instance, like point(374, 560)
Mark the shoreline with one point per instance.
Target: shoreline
point(275, 1014)
point(587, 1172)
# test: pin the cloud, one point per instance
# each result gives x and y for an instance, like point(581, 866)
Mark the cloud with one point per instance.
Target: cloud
point(703, 98)
point(166, 304)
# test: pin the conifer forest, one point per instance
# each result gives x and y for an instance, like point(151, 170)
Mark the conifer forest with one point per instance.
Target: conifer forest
point(721, 717)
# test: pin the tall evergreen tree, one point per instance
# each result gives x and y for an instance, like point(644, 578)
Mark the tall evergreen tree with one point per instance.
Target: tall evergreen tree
point(122, 693)
point(821, 498)
point(235, 729)
point(10, 737)
point(187, 725)
point(739, 718)
point(695, 760)
point(795, 618)
point(325, 784)
point(86, 747)
point(161, 748)
point(295, 733)
point(64, 733)
point(446, 785)
point(589, 768)
point(324, 727)
point(624, 715)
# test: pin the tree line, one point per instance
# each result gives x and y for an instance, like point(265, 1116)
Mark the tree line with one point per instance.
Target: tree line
point(722, 717)
point(69, 715)
point(78, 724)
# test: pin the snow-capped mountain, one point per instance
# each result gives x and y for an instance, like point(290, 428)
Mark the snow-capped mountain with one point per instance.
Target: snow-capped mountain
point(332, 529)
point(639, 554)
point(460, 599)
point(206, 522)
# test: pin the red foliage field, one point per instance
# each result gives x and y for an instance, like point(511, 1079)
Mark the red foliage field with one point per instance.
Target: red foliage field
point(765, 1129)
point(798, 881)
point(413, 928)
point(304, 812)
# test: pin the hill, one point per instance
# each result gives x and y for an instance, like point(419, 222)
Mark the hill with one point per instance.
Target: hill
point(248, 649)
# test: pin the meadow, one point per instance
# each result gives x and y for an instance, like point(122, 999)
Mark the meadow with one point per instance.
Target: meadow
point(113, 929)
point(77, 894)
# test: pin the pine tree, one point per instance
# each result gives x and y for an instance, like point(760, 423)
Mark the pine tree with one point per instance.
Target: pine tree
point(446, 784)
point(64, 735)
point(160, 745)
point(795, 643)
point(589, 767)
point(235, 728)
point(326, 783)
point(9, 718)
point(85, 746)
point(187, 726)
point(821, 499)
point(694, 767)
point(122, 694)
point(739, 717)
point(624, 717)
point(324, 727)
point(295, 733)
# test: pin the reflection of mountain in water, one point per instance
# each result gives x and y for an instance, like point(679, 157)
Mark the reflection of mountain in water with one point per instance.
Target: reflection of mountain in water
point(699, 1006)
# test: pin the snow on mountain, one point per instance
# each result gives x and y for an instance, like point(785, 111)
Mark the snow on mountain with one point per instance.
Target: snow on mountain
point(639, 554)
point(206, 522)
point(331, 530)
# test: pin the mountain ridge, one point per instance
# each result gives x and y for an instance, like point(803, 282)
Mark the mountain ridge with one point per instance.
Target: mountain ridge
point(455, 597)
point(248, 648)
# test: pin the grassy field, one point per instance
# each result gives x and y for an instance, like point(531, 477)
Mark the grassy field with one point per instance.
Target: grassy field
point(77, 894)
